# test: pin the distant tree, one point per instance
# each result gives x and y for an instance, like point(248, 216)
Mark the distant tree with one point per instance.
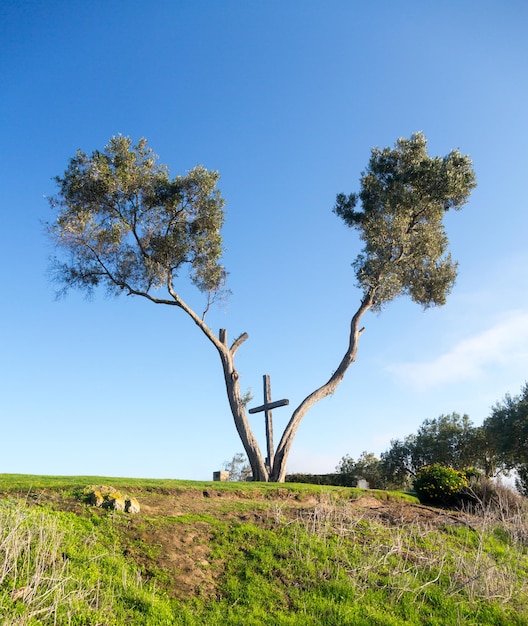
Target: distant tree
point(124, 224)
point(507, 427)
point(238, 468)
point(396, 464)
point(448, 440)
point(367, 467)
point(521, 481)
point(487, 457)
point(346, 465)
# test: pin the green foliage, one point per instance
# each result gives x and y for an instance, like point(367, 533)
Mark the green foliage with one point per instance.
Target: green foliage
point(436, 484)
point(449, 440)
point(367, 467)
point(124, 223)
point(507, 427)
point(338, 480)
point(404, 196)
point(238, 468)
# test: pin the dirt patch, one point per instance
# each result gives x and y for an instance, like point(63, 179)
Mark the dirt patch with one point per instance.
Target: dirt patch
point(180, 552)
point(400, 513)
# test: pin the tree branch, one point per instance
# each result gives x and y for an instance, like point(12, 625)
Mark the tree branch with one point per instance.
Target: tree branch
point(325, 390)
point(238, 342)
point(196, 318)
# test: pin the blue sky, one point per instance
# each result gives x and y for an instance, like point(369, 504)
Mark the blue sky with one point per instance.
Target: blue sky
point(285, 99)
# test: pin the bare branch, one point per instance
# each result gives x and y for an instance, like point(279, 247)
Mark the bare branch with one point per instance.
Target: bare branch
point(238, 342)
point(322, 392)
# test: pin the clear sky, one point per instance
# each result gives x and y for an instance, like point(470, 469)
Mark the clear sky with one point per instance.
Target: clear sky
point(285, 98)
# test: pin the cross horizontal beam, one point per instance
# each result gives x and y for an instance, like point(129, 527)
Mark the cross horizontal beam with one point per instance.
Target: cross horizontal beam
point(269, 406)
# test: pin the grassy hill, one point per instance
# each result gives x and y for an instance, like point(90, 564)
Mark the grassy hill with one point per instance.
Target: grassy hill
point(254, 554)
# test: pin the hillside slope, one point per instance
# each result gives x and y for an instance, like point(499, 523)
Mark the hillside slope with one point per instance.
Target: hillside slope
point(210, 553)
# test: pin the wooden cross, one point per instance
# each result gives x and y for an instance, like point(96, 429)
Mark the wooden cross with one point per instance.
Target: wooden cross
point(267, 407)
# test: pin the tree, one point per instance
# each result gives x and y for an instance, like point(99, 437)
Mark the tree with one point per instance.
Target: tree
point(238, 468)
point(124, 224)
point(486, 453)
point(448, 440)
point(507, 427)
point(367, 467)
point(396, 464)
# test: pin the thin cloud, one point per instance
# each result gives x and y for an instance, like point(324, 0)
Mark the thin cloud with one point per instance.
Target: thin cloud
point(501, 345)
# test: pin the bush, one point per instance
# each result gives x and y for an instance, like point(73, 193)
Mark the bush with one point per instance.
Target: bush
point(483, 494)
point(436, 484)
point(472, 473)
point(335, 480)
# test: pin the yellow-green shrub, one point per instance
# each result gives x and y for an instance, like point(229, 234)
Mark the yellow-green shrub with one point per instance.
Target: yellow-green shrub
point(436, 484)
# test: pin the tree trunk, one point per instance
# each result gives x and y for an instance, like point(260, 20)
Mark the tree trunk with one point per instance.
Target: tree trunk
point(277, 471)
point(238, 410)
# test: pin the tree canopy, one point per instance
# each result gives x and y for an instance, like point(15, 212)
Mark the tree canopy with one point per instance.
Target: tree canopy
point(366, 467)
point(448, 440)
point(507, 428)
point(128, 226)
point(404, 196)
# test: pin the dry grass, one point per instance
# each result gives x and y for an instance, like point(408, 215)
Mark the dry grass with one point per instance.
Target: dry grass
point(407, 554)
point(31, 563)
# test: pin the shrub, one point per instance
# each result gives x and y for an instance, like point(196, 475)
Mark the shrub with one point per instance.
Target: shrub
point(335, 480)
point(436, 484)
point(483, 494)
point(472, 473)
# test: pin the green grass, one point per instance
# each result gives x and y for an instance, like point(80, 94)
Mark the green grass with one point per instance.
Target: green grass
point(27, 482)
point(265, 554)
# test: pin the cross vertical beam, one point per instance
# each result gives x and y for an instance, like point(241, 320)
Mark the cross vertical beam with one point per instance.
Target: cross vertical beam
point(268, 419)
point(267, 408)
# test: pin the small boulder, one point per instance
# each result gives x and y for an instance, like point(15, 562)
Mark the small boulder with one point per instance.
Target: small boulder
point(109, 498)
point(132, 505)
point(114, 501)
point(95, 498)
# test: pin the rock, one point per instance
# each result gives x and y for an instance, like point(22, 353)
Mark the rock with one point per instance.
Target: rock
point(132, 505)
point(109, 498)
point(114, 501)
point(95, 498)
